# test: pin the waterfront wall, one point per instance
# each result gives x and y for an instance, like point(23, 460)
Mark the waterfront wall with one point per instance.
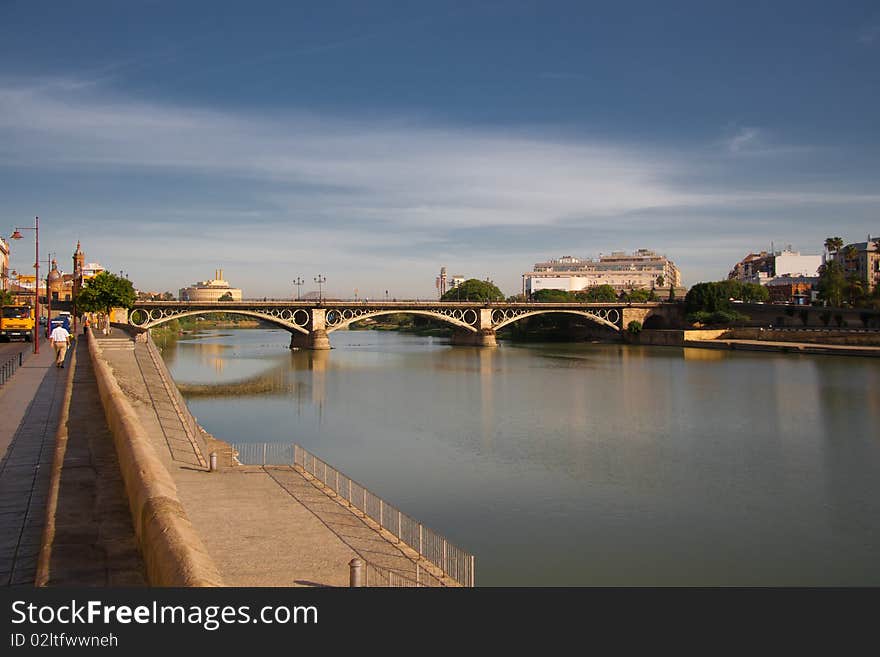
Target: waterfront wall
point(673, 337)
point(867, 338)
point(173, 553)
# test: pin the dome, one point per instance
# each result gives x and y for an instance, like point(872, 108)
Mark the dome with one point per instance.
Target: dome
point(54, 275)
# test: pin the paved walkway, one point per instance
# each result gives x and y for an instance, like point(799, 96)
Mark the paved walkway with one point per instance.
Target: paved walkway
point(263, 526)
point(29, 407)
point(94, 543)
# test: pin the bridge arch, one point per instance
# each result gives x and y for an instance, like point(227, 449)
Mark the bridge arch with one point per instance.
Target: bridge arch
point(157, 316)
point(608, 317)
point(467, 318)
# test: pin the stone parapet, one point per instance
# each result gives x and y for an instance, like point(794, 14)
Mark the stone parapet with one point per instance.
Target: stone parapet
point(173, 553)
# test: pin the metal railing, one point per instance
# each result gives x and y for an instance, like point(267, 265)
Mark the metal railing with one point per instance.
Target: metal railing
point(8, 368)
point(189, 420)
point(369, 574)
point(452, 561)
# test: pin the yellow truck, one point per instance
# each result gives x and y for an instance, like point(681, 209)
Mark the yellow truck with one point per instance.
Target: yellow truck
point(17, 322)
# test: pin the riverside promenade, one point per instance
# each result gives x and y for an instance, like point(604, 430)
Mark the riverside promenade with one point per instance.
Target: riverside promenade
point(64, 518)
point(260, 526)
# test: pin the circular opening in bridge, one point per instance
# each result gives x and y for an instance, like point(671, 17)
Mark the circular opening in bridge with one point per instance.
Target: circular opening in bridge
point(300, 317)
point(286, 314)
point(138, 317)
point(469, 316)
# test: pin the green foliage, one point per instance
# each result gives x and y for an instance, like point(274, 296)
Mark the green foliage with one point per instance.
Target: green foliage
point(474, 290)
point(105, 291)
point(671, 292)
point(634, 327)
point(226, 297)
point(6, 298)
point(597, 294)
point(832, 283)
point(712, 297)
point(552, 296)
point(638, 296)
point(716, 317)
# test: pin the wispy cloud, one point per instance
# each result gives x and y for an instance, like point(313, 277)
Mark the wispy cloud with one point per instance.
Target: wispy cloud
point(360, 195)
point(745, 138)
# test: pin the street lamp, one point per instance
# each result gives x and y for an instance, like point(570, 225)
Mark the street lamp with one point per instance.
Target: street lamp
point(320, 280)
point(386, 296)
point(298, 282)
point(17, 236)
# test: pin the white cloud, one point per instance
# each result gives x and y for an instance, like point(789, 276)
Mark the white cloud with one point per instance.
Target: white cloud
point(322, 189)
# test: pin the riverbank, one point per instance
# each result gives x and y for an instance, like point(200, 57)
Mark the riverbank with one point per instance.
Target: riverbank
point(838, 343)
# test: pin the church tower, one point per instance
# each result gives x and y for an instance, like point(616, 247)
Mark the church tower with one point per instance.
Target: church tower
point(79, 261)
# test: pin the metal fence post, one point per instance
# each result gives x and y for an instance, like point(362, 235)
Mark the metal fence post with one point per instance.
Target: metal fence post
point(349, 490)
point(213, 458)
point(264, 453)
point(356, 573)
point(399, 537)
point(381, 512)
point(445, 568)
point(472, 570)
point(420, 539)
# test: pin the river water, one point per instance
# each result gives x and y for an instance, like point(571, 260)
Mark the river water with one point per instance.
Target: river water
point(578, 464)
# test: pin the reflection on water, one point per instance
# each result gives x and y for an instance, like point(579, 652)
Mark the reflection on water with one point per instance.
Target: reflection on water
point(579, 464)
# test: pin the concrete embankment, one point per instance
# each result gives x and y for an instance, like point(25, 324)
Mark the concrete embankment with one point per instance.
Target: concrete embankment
point(173, 552)
point(834, 343)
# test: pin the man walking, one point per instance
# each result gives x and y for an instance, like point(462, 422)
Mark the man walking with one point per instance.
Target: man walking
point(59, 337)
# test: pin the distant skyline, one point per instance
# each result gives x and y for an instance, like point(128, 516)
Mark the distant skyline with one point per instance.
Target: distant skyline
point(374, 143)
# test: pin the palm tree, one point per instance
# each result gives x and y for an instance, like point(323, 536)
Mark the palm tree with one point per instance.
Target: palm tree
point(833, 245)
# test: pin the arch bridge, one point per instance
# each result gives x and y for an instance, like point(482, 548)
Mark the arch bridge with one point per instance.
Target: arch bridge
point(311, 322)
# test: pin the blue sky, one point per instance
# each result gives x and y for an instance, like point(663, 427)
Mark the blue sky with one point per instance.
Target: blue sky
point(375, 142)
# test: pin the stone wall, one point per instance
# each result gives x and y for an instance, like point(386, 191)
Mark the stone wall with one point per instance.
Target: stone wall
point(173, 553)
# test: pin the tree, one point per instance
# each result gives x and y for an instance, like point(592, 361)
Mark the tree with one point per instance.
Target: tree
point(597, 294)
point(104, 292)
point(832, 283)
point(226, 297)
point(552, 296)
point(6, 298)
point(638, 296)
point(167, 296)
point(661, 282)
point(474, 290)
point(833, 244)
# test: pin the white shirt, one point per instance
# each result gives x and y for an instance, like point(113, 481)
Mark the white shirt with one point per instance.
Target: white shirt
point(59, 334)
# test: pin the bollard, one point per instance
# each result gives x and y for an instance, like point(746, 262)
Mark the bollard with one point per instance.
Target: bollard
point(356, 576)
point(213, 458)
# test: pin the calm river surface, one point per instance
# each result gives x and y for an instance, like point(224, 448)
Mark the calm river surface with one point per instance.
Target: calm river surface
point(579, 464)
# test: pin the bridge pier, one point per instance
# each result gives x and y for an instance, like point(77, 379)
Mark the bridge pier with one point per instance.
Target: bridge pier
point(482, 338)
point(317, 340)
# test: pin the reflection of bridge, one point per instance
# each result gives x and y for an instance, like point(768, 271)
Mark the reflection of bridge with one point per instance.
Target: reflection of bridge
point(475, 323)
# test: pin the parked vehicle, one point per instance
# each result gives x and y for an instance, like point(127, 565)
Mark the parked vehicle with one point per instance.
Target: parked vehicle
point(17, 321)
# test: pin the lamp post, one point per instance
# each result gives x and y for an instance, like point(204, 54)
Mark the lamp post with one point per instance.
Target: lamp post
point(16, 235)
point(320, 280)
point(298, 282)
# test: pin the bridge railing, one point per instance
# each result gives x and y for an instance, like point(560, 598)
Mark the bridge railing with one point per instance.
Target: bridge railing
point(451, 560)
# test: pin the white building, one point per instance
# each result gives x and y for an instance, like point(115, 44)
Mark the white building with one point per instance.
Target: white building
point(643, 269)
point(211, 290)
